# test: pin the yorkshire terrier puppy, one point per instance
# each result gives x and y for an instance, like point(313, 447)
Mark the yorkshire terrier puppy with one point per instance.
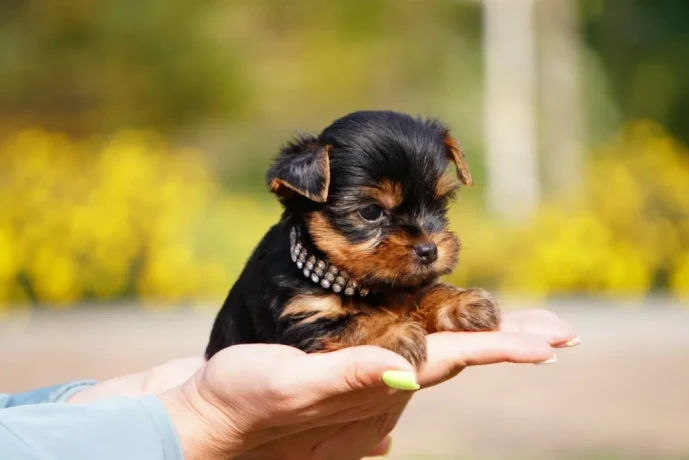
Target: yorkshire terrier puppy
point(362, 243)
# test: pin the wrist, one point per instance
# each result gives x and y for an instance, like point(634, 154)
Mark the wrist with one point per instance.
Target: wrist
point(202, 430)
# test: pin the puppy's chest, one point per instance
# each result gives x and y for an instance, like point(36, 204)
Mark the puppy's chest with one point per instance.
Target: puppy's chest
point(333, 306)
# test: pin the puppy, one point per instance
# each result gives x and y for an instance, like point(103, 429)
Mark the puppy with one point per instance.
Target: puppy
point(363, 240)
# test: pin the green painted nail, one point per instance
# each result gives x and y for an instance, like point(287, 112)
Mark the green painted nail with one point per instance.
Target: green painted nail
point(401, 380)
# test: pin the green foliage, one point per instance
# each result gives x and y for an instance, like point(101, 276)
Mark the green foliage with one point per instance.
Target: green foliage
point(112, 219)
point(93, 66)
point(644, 48)
point(238, 77)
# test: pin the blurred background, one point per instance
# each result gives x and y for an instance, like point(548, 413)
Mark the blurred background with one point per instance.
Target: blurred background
point(134, 136)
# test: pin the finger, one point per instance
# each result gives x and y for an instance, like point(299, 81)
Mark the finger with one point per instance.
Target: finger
point(360, 405)
point(346, 384)
point(359, 439)
point(382, 449)
point(350, 369)
point(343, 385)
point(352, 442)
point(295, 444)
point(337, 441)
point(543, 323)
point(324, 420)
point(449, 353)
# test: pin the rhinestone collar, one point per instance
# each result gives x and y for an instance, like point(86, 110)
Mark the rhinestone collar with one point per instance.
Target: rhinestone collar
point(320, 271)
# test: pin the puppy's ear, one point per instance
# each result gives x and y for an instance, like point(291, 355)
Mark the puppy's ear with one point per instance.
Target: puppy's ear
point(302, 167)
point(454, 152)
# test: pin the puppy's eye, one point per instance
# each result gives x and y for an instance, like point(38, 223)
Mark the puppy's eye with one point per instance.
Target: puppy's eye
point(371, 213)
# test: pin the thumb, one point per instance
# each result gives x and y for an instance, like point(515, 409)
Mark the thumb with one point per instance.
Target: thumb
point(357, 368)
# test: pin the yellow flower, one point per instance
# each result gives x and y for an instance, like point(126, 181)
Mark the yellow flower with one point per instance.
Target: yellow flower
point(130, 215)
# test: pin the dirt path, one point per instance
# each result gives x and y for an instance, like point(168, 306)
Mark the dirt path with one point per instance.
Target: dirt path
point(625, 391)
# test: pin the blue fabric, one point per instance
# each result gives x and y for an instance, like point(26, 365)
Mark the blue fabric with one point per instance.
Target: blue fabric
point(51, 394)
point(37, 426)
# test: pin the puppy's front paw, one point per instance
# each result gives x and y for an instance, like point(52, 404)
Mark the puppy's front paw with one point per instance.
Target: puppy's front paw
point(449, 308)
point(403, 336)
point(407, 339)
point(469, 310)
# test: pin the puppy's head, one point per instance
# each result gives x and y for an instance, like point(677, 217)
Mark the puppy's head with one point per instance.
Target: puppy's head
point(372, 191)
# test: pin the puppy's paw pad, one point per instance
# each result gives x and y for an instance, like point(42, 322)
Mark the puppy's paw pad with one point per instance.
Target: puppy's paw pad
point(472, 310)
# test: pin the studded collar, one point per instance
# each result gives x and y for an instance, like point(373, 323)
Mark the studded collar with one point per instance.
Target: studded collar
point(320, 271)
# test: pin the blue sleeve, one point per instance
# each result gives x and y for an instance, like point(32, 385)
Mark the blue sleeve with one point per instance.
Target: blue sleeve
point(114, 429)
point(51, 394)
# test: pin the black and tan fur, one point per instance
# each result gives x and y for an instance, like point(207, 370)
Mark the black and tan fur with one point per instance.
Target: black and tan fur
point(370, 194)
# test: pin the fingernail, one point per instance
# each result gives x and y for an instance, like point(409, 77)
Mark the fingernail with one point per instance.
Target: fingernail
point(552, 360)
point(401, 380)
point(572, 343)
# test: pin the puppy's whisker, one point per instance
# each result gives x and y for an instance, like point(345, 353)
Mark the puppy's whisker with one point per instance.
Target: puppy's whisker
point(376, 242)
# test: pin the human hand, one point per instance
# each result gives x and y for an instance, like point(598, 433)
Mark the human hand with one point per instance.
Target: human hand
point(291, 405)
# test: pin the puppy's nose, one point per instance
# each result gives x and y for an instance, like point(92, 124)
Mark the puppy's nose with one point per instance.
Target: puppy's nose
point(427, 253)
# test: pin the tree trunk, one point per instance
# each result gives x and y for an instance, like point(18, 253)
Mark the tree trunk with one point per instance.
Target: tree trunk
point(510, 108)
point(560, 93)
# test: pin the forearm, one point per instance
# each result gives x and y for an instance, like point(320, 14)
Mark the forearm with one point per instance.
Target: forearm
point(114, 429)
point(156, 380)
